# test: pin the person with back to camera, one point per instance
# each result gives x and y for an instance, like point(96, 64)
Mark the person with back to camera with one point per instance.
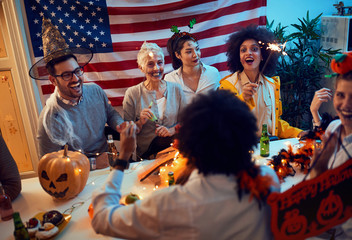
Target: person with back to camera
point(194, 76)
point(154, 104)
point(246, 55)
point(224, 197)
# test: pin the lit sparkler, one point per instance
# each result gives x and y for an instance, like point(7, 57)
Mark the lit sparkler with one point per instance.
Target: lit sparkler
point(273, 48)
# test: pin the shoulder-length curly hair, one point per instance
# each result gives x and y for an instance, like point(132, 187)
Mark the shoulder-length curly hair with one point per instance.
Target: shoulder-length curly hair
point(217, 132)
point(258, 34)
point(175, 44)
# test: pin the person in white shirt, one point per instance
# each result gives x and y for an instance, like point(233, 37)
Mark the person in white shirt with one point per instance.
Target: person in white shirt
point(194, 76)
point(338, 135)
point(224, 197)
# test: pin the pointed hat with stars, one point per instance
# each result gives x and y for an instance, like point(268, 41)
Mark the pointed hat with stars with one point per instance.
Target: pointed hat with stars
point(54, 46)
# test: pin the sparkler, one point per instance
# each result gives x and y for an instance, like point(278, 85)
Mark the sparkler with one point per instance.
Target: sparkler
point(273, 48)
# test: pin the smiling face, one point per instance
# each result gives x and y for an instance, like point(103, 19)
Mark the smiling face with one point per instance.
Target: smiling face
point(189, 54)
point(72, 89)
point(343, 102)
point(250, 55)
point(153, 67)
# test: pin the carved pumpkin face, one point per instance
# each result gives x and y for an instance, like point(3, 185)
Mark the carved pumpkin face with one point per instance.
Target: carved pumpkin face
point(294, 224)
point(62, 174)
point(330, 209)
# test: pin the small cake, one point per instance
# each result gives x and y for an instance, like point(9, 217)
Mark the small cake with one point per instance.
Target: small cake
point(32, 226)
point(48, 230)
point(54, 217)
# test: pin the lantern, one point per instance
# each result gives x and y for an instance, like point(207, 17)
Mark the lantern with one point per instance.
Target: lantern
point(63, 174)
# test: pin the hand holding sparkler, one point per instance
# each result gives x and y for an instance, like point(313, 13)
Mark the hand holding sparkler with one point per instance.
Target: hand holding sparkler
point(249, 89)
point(146, 114)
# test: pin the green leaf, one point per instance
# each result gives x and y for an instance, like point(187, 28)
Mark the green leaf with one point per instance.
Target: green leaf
point(340, 57)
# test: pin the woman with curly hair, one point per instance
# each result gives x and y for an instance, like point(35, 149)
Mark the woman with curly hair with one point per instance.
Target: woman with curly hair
point(194, 76)
point(247, 53)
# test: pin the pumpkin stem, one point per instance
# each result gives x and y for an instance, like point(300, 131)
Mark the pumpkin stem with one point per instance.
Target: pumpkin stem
point(65, 150)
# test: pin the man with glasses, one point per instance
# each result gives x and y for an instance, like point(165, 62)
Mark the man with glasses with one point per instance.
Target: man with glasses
point(76, 113)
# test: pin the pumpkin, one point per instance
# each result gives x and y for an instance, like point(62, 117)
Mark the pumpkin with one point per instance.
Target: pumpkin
point(294, 223)
point(63, 174)
point(330, 209)
point(342, 63)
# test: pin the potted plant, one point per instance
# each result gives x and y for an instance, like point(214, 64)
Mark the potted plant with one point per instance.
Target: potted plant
point(302, 69)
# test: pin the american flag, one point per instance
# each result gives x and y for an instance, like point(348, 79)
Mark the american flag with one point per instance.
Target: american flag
point(116, 29)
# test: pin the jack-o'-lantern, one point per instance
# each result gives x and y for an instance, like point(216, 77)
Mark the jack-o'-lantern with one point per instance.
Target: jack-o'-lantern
point(294, 223)
point(330, 209)
point(63, 174)
point(342, 63)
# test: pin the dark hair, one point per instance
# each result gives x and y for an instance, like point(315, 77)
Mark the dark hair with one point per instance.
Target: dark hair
point(217, 133)
point(175, 44)
point(50, 66)
point(346, 77)
point(251, 32)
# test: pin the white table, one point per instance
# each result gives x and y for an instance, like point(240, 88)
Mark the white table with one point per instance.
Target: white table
point(33, 199)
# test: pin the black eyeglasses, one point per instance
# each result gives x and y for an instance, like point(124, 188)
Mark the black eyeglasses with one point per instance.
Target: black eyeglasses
point(67, 76)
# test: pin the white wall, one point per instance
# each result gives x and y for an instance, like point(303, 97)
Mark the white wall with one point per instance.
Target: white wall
point(287, 12)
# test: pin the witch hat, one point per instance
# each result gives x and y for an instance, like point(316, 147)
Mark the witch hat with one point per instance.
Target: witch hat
point(54, 46)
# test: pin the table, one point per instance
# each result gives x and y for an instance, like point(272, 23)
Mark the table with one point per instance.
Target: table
point(33, 199)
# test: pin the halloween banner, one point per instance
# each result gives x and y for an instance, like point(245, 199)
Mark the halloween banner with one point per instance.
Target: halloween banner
point(313, 206)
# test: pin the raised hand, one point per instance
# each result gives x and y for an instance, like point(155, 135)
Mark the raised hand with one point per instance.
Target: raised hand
point(320, 96)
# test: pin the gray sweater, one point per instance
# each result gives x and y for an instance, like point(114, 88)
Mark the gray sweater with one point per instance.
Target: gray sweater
point(88, 119)
point(138, 97)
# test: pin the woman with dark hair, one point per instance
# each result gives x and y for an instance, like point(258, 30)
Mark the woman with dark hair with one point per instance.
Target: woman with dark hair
point(154, 104)
point(194, 76)
point(247, 54)
point(217, 132)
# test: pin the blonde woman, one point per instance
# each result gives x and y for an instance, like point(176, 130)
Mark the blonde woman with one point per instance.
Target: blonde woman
point(154, 104)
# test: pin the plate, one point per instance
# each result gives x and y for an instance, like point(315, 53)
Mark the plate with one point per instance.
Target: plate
point(61, 226)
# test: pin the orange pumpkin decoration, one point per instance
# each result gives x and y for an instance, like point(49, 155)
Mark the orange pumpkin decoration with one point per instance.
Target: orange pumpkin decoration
point(91, 211)
point(63, 174)
point(342, 63)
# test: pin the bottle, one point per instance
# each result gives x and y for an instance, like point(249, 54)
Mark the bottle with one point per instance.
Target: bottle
point(264, 142)
point(171, 178)
point(112, 151)
point(6, 210)
point(20, 232)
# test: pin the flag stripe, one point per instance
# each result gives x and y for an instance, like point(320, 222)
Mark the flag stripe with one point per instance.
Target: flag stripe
point(182, 21)
point(127, 24)
point(117, 10)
